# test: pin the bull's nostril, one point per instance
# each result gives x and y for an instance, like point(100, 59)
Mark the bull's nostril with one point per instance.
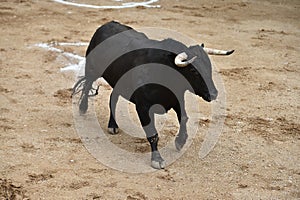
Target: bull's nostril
point(213, 96)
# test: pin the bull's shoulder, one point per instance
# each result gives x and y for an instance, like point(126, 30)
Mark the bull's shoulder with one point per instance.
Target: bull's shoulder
point(173, 45)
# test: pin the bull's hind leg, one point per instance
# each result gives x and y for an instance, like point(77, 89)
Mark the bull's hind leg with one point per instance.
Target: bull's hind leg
point(147, 121)
point(113, 127)
point(182, 135)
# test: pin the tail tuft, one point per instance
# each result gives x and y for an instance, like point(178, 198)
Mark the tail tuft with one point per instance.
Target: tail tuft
point(79, 86)
point(83, 105)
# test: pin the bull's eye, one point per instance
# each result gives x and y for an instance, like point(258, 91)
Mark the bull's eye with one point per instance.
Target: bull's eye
point(194, 71)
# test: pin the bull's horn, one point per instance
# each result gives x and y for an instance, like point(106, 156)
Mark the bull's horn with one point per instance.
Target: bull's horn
point(217, 51)
point(181, 61)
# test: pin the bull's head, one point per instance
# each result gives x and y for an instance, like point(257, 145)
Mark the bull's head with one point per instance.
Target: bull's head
point(198, 69)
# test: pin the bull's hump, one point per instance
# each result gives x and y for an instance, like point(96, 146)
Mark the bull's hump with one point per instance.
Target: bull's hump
point(175, 45)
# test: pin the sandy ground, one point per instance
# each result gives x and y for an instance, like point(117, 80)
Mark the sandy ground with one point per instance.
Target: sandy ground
point(257, 155)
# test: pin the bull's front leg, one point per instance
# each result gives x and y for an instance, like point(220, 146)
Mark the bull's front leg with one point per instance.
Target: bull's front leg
point(147, 120)
point(182, 135)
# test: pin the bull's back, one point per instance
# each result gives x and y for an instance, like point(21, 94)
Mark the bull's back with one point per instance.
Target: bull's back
point(105, 31)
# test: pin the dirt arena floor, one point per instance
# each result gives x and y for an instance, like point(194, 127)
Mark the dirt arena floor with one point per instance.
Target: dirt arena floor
point(257, 155)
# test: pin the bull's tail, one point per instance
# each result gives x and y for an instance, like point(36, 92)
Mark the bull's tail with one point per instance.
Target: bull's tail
point(84, 86)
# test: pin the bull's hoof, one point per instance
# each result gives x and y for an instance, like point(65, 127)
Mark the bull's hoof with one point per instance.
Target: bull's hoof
point(113, 131)
point(158, 164)
point(156, 161)
point(180, 141)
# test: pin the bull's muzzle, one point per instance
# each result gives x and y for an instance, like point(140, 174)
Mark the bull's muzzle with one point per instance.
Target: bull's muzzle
point(211, 96)
point(214, 95)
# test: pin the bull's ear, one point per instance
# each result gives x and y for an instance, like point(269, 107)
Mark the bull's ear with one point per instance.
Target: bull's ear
point(202, 44)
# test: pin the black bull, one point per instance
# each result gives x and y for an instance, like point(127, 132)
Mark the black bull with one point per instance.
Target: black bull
point(144, 72)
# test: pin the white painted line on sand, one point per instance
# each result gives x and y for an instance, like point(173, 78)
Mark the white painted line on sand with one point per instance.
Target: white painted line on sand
point(124, 5)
